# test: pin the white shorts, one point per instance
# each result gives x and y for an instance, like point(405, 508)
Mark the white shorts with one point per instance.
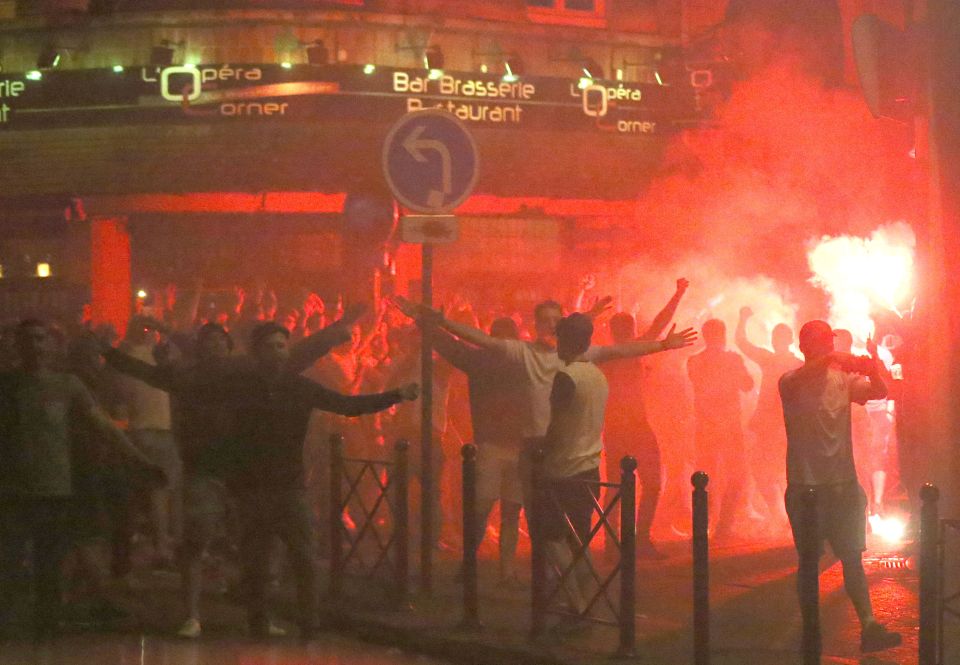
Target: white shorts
point(498, 475)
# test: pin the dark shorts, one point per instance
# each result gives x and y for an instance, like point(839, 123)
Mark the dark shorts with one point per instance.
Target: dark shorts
point(570, 499)
point(841, 516)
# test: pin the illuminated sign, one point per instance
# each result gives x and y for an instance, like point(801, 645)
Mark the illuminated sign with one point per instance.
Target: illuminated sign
point(305, 93)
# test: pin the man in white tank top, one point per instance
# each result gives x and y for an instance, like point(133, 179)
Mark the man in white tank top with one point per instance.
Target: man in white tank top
point(572, 449)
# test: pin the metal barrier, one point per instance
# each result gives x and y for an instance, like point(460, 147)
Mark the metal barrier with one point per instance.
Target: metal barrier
point(948, 603)
point(701, 569)
point(369, 550)
point(545, 596)
point(809, 574)
point(471, 537)
point(931, 576)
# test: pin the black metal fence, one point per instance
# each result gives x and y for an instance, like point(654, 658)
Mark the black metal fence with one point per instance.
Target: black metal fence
point(605, 602)
point(938, 565)
point(376, 493)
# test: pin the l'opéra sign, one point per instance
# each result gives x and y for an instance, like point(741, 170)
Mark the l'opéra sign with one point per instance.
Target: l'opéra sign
point(430, 161)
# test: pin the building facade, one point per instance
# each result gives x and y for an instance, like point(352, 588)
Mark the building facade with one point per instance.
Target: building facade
point(154, 141)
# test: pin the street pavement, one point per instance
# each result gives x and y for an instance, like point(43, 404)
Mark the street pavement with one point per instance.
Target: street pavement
point(122, 649)
point(754, 619)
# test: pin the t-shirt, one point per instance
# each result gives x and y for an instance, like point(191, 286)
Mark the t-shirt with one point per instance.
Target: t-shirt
point(497, 391)
point(772, 367)
point(816, 411)
point(37, 411)
point(539, 365)
point(271, 419)
point(718, 377)
point(578, 402)
point(626, 411)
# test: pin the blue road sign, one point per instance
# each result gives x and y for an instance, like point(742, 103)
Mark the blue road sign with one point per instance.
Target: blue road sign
point(430, 161)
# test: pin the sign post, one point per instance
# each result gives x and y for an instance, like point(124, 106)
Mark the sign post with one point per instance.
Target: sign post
point(430, 163)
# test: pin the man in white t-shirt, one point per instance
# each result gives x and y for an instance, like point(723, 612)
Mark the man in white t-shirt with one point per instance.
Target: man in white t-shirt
point(816, 402)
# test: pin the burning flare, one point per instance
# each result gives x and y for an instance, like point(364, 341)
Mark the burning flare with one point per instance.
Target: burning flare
point(862, 274)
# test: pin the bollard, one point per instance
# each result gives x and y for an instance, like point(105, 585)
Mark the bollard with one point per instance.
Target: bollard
point(929, 573)
point(401, 507)
point(701, 570)
point(336, 515)
point(538, 559)
point(471, 533)
point(628, 557)
point(809, 577)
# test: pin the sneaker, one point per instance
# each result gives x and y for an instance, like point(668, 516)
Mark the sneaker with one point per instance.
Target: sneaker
point(875, 637)
point(263, 629)
point(190, 629)
point(647, 552)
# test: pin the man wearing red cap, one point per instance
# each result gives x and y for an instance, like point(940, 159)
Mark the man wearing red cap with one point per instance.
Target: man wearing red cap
point(816, 410)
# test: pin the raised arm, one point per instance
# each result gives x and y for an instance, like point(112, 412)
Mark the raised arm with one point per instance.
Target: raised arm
point(306, 352)
point(872, 385)
point(162, 377)
point(455, 351)
point(754, 353)
point(357, 405)
point(642, 347)
point(422, 314)
point(665, 316)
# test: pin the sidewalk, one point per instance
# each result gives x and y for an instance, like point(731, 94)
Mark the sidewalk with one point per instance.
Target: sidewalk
point(753, 608)
point(755, 619)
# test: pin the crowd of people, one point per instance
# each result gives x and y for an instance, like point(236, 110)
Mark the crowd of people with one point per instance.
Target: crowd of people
point(226, 413)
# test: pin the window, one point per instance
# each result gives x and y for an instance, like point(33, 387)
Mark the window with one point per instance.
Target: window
point(588, 13)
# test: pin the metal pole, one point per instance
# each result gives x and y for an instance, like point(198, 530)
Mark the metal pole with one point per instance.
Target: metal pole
point(809, 578)
point(336, 515)
point(701, 570)
point(538, 559)
point(628, 557)
point(426, 431)
point(929, 565)
point(471, 602)
point(402, 520)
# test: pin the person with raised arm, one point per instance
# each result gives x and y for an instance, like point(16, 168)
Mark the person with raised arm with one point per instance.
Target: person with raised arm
point(816, 401)
point(767, 422)
point(537, 362)
point(627, 430)
point(271, 410)
point(205, 423)
point(718, 376)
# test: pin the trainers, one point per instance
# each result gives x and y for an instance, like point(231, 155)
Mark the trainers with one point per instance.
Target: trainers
point(190, 629)
point(875, 637)
point(266, 629)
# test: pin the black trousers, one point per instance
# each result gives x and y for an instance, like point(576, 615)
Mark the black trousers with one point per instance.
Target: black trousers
point(44, 522)
point(266, 514)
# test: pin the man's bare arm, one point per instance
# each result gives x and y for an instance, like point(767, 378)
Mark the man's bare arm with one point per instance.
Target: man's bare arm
point(319, 344)
point(426, 315)
point(643, 347)
point(754, 353)
point(665, 316)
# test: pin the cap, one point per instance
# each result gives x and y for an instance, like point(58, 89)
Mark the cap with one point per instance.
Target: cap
point(815, 330)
